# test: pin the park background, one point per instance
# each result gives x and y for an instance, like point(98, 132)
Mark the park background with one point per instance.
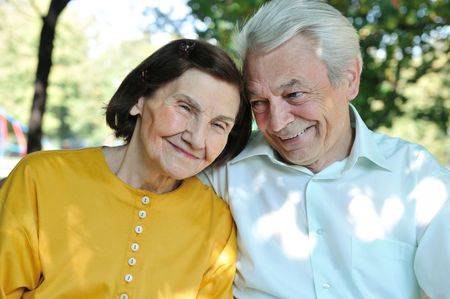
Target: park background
point(405, 89)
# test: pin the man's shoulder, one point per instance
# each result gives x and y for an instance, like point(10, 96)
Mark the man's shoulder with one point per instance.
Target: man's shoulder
point(391, 146)
point(407, 154)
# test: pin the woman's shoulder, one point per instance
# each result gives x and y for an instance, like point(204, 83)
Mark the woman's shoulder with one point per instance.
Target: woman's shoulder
point(205, 194)
point(51, 159)
point(195, 183)
point(60, 154)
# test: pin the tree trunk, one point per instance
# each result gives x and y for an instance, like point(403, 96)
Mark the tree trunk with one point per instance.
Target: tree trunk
point(42, 74)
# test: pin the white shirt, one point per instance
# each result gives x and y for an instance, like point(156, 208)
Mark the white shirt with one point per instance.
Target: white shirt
point(375, 225)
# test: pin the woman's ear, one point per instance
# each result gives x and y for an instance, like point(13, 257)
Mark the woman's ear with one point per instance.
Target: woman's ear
point(137, 108)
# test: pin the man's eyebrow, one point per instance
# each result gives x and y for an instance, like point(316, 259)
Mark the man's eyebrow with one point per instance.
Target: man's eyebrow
point(290, 83)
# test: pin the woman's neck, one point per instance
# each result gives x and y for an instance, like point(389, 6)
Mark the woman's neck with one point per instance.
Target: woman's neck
point(130, 167)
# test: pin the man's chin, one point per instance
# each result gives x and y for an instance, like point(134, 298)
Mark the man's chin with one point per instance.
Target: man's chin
point(301, 157)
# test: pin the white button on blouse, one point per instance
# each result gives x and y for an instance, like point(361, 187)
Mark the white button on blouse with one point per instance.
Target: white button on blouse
point(142, 214)
point(128, 278)
point(138, 229)
point(132, 261)
point(135, 247)
point(145, 200)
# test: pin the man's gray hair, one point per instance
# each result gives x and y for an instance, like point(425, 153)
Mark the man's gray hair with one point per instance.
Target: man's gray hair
point(278, 21)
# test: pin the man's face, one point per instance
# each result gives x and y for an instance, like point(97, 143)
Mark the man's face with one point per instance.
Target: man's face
point(295, 106)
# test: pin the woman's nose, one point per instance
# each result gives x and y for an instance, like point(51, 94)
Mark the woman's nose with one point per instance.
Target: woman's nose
point(195, 134)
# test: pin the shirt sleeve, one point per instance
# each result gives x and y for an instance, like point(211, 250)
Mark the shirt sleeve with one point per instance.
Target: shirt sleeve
point(19, 261)
point(216, 177)
point(432, 260)
point(218, 280)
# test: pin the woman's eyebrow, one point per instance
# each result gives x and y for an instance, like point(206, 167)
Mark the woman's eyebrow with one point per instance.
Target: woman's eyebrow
point(193, 103)
point(197, 108)
point(225, 118)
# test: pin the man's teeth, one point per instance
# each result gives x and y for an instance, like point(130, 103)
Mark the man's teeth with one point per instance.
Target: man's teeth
point(291, 137)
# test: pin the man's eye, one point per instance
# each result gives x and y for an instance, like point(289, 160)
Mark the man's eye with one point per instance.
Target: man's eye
point(259, 106)
point(294, 95)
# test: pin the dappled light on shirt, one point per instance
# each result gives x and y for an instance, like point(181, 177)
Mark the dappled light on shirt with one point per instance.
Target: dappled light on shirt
point(417, 163)
point(259, 181)
point(283, 225)
point(370, 224)
point(430, 194)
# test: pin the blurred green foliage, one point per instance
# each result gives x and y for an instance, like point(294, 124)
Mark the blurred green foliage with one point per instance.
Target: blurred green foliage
point(82, 79)
point(222, 18)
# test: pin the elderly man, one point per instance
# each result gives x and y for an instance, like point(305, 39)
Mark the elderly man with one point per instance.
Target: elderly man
point(324, 207)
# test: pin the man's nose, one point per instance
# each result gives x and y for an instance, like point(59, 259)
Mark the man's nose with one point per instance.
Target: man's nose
point(280, 115)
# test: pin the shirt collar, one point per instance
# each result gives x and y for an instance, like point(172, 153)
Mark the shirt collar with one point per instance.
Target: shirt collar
point(257, 146)
point(364, 146)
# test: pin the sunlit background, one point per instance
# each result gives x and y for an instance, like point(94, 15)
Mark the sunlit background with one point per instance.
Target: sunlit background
point(98, 42)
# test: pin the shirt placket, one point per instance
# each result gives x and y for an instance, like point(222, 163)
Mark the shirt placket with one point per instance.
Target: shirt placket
point(135, 247)
point(317, 234)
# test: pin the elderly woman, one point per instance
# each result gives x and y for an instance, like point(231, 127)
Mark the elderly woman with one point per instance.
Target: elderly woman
point(133, 221)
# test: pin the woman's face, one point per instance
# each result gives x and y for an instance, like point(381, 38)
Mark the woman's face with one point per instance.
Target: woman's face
point(183, 127)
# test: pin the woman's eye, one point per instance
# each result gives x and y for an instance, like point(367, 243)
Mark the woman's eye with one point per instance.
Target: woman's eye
point(219, 126)
point(185, 107)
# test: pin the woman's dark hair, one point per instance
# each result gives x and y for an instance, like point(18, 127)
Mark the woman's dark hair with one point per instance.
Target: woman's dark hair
point(167, 64)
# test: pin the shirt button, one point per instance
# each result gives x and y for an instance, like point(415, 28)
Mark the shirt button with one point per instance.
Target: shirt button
point(135, 247)
point(145, 200)
point(131, 261)
point(142, 214)
point(123, 296)
point(128, 278)
point(326, 285)
point(319, 231)
point(138, 229)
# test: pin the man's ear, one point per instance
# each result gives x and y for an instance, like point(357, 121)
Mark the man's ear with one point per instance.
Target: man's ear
point(137, 108)
point(352, 82)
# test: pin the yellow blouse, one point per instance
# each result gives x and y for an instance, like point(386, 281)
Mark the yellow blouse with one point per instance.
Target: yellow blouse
point(69, 228)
